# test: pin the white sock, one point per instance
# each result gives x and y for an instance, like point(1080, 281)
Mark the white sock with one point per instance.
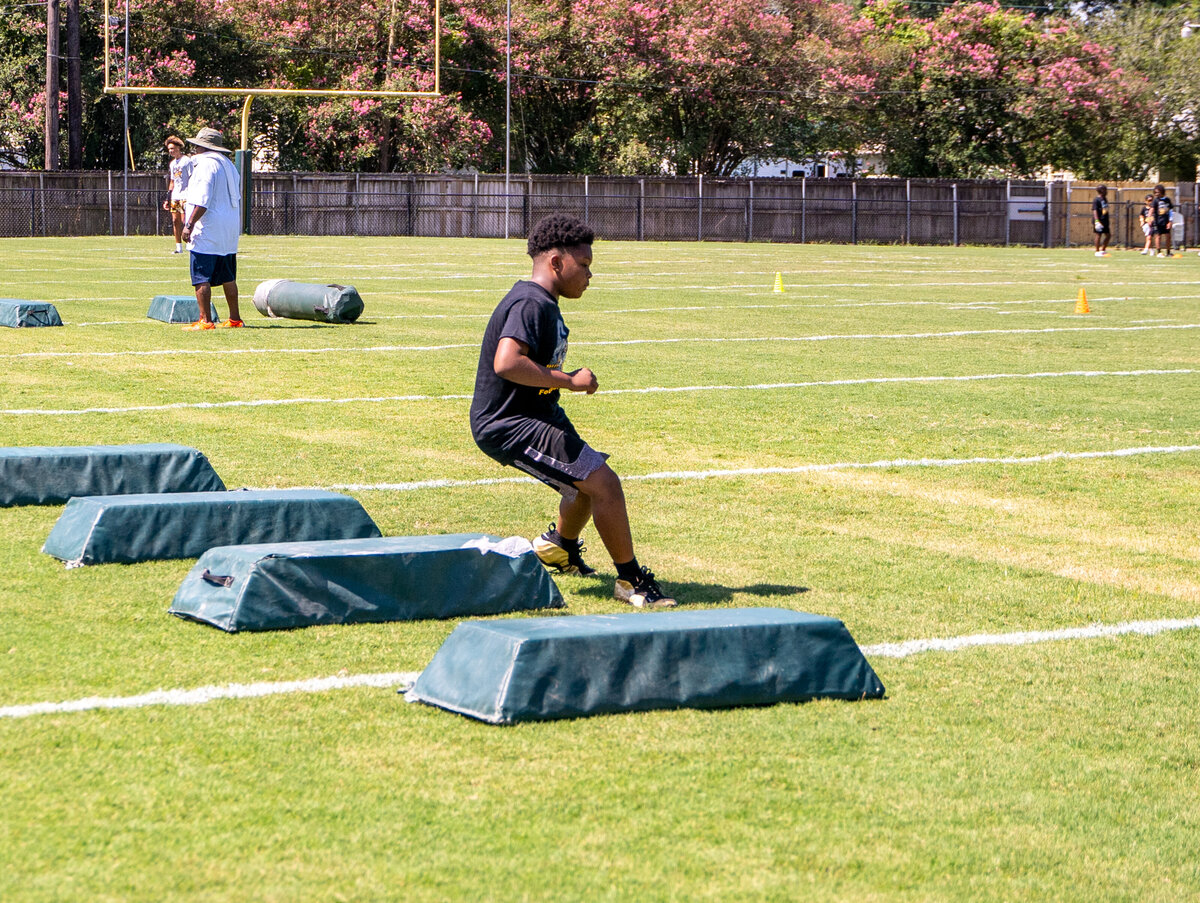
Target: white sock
point(178, 246)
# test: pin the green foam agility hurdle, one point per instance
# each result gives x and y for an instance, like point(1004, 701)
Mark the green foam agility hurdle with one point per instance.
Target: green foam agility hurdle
point(128, 528)
point(301, 301)
point(16, 312)
point(178, 309)
point(534, 669)
point(50, 475)
point(398, 578)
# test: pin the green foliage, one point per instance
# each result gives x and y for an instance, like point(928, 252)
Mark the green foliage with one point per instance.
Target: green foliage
point(1146, 39)
point(683, 86)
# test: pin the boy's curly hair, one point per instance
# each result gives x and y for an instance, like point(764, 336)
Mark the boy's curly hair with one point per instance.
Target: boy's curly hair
point(558, 230)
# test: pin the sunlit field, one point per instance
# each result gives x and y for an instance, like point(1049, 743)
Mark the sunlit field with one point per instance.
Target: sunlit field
point(926, 443)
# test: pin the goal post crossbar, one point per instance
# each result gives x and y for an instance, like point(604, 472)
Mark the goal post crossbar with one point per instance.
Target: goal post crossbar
point(110, 88)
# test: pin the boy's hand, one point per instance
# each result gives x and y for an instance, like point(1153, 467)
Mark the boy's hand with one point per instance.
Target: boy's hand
point(583, 380)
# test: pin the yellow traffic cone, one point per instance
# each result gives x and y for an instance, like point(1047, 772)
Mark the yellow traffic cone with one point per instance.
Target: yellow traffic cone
point(1081, 305)
point(779, 282)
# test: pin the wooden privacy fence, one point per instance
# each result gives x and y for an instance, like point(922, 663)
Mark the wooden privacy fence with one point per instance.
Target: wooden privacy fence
point(885, 211)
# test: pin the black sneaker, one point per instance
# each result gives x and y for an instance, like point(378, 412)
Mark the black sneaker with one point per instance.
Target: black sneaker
point(564, 556)
point(644, 592)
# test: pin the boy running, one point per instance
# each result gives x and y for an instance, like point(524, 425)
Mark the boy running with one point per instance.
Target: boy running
point(517, 420)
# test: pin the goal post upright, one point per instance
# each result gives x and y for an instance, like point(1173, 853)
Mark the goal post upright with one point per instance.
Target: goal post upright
point(243, 155)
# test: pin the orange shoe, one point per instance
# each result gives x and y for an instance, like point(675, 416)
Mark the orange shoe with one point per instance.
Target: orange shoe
point(200, 324)
point(232, 324)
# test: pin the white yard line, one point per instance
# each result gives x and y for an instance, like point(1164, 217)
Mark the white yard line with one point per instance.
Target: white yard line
point(202, 695)
point(890, 464)
point(1027, 637)
point(886, 335)
point(376, 399)
point(696, 340)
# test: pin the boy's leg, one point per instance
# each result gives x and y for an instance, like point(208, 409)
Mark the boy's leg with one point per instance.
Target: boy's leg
point(635, 584)
point(573, 515)
point(606, 499)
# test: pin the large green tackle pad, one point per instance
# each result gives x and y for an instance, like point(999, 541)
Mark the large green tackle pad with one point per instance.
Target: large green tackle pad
point(129, 528)
point(16, 312)
point(532, 669)
point(397, 578)
point(51, 475)
point(302, 301)
point(178, 309)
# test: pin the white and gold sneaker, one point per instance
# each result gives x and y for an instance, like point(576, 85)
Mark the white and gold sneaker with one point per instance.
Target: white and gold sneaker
point(565, 557)
point(644, 592)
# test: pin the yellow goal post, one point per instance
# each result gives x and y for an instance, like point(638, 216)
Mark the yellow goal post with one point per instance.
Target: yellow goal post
point(251, 93)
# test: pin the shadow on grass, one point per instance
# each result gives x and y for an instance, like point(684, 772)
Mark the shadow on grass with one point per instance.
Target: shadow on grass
point(694, 593)
point(292, 324)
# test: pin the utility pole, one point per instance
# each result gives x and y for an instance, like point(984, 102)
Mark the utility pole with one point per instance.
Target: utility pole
point(74, 90)
point(51, 84)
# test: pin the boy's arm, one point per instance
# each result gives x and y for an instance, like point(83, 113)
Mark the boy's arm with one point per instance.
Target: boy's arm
point(512, 362)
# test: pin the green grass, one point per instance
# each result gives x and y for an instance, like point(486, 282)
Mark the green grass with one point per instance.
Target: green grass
point(1061, 771)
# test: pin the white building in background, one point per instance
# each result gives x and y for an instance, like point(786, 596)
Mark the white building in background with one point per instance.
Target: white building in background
point(833, 165)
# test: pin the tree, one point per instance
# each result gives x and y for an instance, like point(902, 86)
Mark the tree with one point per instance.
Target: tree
point(986, 91)
point(1146, 39)
point(706, 84)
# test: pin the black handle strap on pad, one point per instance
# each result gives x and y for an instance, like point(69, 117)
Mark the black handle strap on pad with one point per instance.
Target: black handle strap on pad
point(216, 579)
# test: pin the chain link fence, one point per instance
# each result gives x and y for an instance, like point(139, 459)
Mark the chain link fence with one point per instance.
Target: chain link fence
point(841, 211)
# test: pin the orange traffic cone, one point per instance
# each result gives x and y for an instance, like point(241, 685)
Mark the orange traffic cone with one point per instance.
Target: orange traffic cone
point(1081, 305)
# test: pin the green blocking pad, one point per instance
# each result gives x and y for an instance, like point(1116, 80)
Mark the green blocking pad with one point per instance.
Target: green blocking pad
point(16, 312)
point(540, 668)
point(177, 309)
point(128, 528)
point(398, 578)
point(49, 475)
point(302, 301)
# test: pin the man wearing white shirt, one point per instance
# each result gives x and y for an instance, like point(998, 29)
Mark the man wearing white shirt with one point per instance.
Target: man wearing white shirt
point(212, 226)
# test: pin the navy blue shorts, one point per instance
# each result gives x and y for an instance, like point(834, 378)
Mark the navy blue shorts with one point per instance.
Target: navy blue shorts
point(213, 269)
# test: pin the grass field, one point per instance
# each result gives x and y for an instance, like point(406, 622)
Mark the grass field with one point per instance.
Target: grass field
point(744, 422)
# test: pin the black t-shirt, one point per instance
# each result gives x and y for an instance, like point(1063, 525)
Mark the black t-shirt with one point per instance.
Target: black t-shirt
point(1100, 210)
point(504, 412)
point(1162, 209)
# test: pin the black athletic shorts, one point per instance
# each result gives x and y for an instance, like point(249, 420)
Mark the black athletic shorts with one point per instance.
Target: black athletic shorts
point(553, 453)
point(1161, 226)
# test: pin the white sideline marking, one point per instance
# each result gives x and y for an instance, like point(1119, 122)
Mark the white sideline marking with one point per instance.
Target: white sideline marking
point(1025, 638)
point(264, 402)
point(892, 335)
point(694, 340)
point(202, 695)
point(764, 471)
point(267, 402)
